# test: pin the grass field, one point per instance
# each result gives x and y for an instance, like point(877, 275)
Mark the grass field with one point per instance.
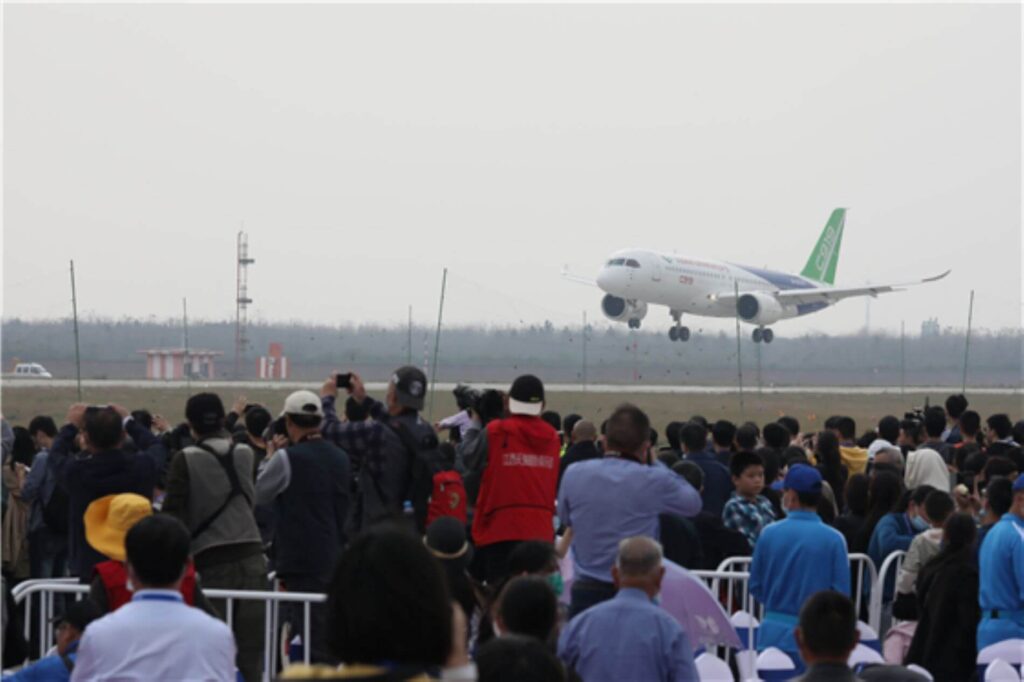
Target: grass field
point(21, 403)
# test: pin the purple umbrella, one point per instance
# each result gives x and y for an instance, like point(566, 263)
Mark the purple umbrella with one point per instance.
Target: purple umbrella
point(688, 600)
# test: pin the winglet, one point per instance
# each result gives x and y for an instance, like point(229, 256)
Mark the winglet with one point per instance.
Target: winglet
point(936, 278)
point(821, 266)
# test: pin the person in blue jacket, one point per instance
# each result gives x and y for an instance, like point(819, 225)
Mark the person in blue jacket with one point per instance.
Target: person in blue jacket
point(1001, 573)
point(795, 558)
point(57, 666)
point(895, 531)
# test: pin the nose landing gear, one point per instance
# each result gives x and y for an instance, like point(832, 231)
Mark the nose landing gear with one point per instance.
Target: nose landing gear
point(763, 334)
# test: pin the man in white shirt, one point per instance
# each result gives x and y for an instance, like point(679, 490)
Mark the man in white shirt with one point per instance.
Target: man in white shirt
point(156, 636)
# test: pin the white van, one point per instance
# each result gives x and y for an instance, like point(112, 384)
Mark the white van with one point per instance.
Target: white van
point(31, 370)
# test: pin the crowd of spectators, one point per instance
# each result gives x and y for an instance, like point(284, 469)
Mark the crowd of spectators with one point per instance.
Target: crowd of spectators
point(444, 550)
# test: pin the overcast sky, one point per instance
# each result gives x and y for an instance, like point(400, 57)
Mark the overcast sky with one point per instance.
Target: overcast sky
point(366, 148)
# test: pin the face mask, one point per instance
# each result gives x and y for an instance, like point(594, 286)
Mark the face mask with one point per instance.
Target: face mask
point(557, 584)
point(919, 523)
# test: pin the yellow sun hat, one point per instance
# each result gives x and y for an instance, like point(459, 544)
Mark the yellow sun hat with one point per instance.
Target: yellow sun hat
point(108, 519)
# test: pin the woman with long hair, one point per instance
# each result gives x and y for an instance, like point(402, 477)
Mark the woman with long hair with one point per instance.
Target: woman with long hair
point(884, 492)
point(947, 600)
point(830, 464)
point(14, 542)
point(855, 501)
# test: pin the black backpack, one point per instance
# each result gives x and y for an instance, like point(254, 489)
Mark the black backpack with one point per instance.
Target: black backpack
point(425, 461)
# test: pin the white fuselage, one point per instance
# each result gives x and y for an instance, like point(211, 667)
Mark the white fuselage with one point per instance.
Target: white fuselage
point(691, 285)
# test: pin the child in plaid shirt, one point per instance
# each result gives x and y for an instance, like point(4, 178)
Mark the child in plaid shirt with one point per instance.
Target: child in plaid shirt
point(747, 511)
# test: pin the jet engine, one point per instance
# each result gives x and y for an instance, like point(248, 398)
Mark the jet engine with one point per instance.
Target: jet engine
point(621, 310)
point(759, 308)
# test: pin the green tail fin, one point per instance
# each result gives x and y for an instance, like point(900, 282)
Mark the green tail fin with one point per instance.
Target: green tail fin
point(821, 266)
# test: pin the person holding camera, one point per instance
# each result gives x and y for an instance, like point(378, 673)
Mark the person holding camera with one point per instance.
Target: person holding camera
point(517, 460)
point(392, 454)
point(210, 489)
point(604, 501)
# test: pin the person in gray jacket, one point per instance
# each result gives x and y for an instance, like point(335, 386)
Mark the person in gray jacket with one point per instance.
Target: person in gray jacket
point(210, 489)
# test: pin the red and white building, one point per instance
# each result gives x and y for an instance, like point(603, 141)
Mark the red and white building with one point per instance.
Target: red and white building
point(274, 365)
point(175, 363)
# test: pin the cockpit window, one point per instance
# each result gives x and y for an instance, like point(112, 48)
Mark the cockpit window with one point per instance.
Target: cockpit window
point(617, 261)
point(632, 263)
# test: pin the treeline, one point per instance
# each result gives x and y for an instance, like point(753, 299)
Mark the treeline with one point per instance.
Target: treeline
point(109, 350)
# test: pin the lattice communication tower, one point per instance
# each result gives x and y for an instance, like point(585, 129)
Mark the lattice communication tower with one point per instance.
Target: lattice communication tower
point(242, 302)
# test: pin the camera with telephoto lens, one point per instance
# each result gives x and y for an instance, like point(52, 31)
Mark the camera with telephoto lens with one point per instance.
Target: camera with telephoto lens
point(466, 397)
point(916, 414)
point(488, 404)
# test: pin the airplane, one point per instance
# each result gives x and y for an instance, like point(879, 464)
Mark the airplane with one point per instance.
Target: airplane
point(633, 279)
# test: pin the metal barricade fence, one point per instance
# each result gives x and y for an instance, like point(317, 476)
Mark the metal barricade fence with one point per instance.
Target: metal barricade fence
point(726, 586)
point(891, 566)
point(47, 589)
point(862, 563)
point(865, 568)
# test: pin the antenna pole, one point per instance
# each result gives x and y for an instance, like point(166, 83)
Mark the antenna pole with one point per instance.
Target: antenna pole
point(408, 354)
point(739, 359)
point(74, 317)
point(437, 343)
point(185, 361)
point(584, 337)
point(903, 357)
point(967, 344)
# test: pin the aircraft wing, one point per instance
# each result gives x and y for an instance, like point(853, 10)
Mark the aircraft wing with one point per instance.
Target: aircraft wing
point(576, 278)
point(834, 294)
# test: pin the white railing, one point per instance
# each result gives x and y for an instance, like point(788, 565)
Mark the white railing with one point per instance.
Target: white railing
point(863, 564)
point(865, 567)
point(736, 583)
point(47, 589)
point(891, 566)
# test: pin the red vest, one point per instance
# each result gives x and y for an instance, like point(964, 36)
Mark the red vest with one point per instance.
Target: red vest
point(517, 492)
point(115, 578)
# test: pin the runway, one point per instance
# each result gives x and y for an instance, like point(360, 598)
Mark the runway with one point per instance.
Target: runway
point(650, 389)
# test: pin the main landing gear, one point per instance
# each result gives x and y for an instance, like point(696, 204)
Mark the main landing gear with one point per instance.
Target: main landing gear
point(763, 334)
point(634, 323)
point(678, 332)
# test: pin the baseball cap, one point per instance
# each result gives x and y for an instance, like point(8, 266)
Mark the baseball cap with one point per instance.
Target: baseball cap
point(108, 519)
point(1018, 484)
point(79, 614)
point(204, 410)
point(303, 402)
point(802, 478)
point(526, 396)
point(410, 386)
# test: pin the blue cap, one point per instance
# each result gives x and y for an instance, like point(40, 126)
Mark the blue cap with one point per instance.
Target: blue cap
point(802, 478)
point(1018, 484)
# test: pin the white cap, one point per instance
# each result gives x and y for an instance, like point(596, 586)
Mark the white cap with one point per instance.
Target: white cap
point(303, 402)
